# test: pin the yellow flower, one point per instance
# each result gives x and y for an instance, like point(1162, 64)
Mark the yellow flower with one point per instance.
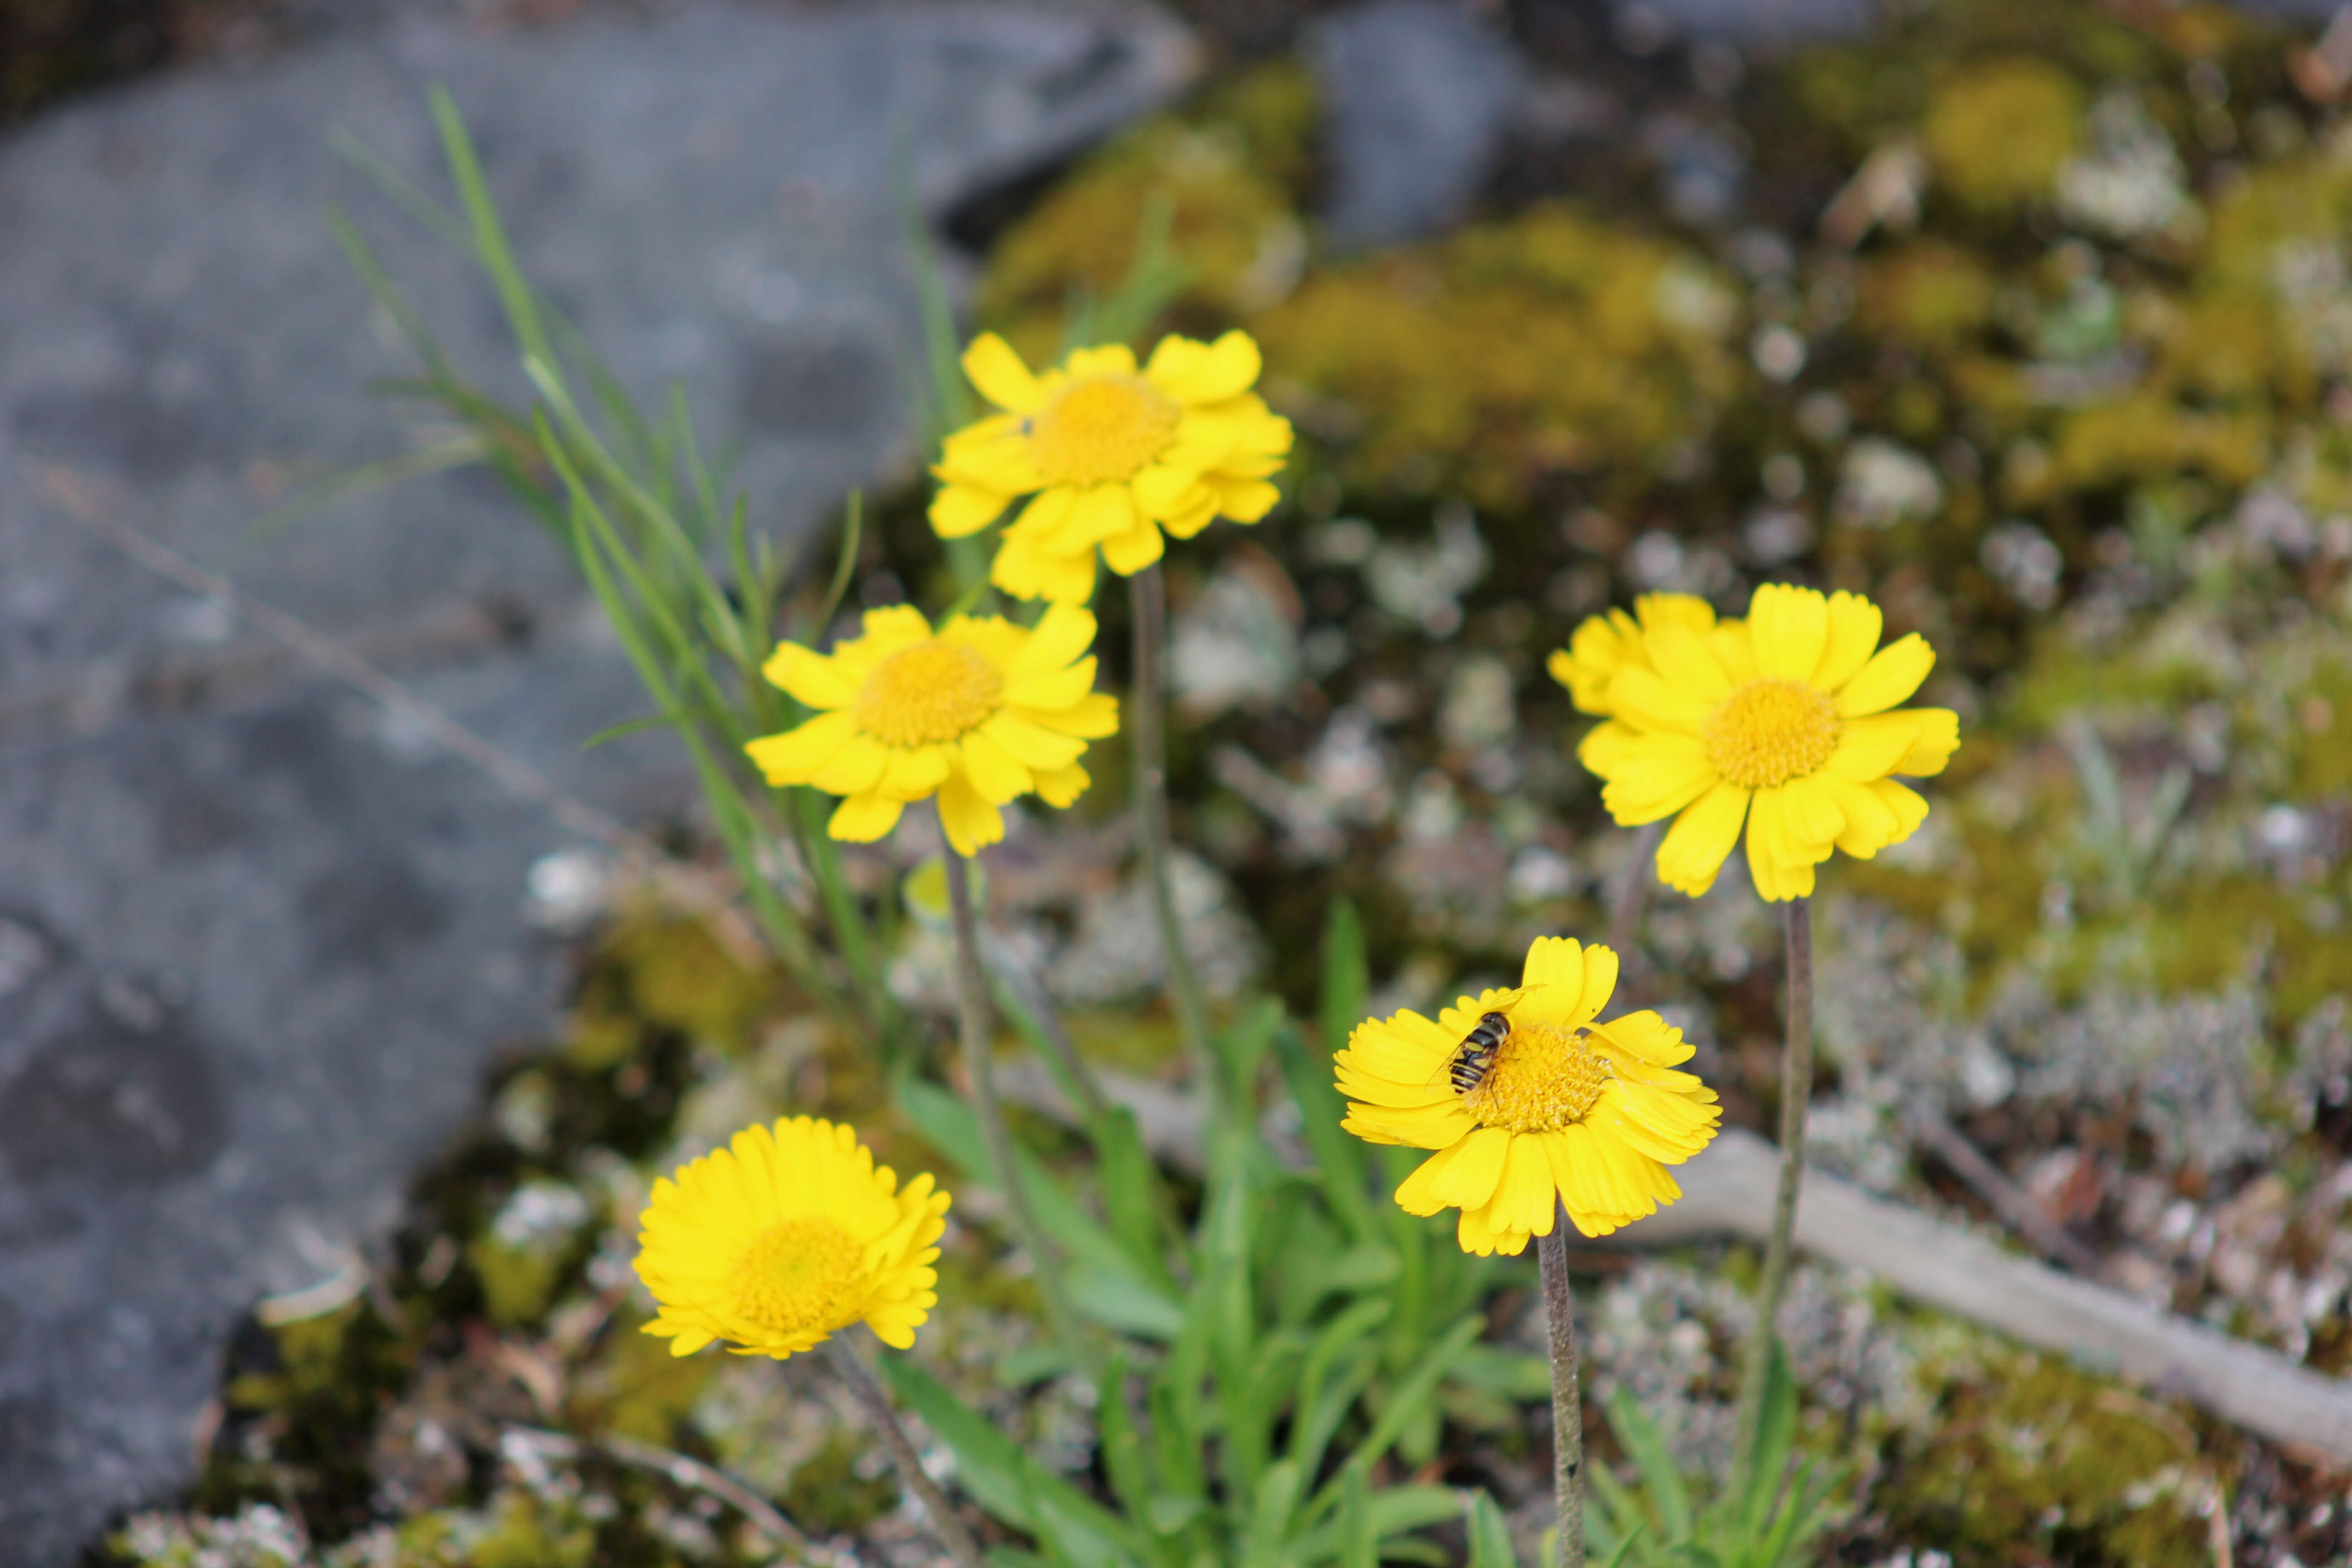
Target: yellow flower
point(1604, 644)
point(1112, 456)
point(978, 713)
point(1783, 722)
point(1589, 1113)
point(776, 1241)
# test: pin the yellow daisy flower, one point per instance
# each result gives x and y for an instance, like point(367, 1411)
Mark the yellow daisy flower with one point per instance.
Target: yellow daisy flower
point(1604, 644)
point(784, 1237)
point(1786, 723)
point(1110, 455)
point(1591, 1114)
point(976, 713)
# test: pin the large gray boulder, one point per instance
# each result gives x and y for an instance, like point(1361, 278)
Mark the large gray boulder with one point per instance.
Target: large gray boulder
point(258, 941)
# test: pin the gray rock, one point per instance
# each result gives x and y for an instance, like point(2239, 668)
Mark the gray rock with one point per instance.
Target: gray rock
point(257, 943)
point(1418, 97)
point(1650, 23)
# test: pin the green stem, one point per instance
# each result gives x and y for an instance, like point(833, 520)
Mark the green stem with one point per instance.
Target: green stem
point(1796, 1091)
point(979, 1060)
point(1566, 1393)
point(853, 1370)
point(1147, 726)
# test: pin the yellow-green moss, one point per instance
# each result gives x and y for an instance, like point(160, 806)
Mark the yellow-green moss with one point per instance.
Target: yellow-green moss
point(1932, 294)
point(671, 972)
point(636, 1388)
point(1998, 134)
point(1545, 343)
point(828, 1496)
point(2032, 1461)
point(1225, 175)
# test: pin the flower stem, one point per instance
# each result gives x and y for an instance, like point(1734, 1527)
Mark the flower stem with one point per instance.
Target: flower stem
point(853, 1370)
point(1567, 1395)
point(978, 1059)
point(1147, 728)
point(1796, 1091)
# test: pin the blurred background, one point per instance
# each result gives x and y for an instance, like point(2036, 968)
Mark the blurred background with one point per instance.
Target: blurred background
point(336, 1051)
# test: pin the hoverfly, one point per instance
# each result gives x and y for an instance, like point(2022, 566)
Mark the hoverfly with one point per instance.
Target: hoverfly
point(1475, 1057)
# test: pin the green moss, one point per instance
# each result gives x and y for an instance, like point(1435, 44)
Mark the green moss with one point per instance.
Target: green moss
point(1929, 293)
point(523, 1534)
point(667, 972)
point(2035, 1462)
point(827, 1495)
point(1546, 344)
point(1225, 175)
point(517, 1283)
point(1998, 134)
point(636, 1388)
point(2320, 742)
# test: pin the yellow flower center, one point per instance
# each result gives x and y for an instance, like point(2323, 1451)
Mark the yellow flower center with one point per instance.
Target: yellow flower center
point(928, 694)
point(1769, 731)
point(1101, 429)
point(800, 1276)
point(1544, 1075)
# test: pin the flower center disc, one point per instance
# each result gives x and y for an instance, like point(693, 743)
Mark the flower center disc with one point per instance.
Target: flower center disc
point(1544, 1077)
point(1096, 431)
point(1769, 731)
point(928, 694)
point(799, 1275)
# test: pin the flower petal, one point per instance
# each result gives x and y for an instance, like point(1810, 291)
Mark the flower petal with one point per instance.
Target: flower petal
point(863, 818)
point(1194, 371)
point(959, 511)
point(1464, 1181)
point(1129, 553)
point(855, 769)
point(1891, 676)
point(992, 773)
point(1854, 626)
point(809, 677)
point(1940, 737)
point(972, 823)
point(1001, 376)
point(1685, 661)
point(1645, 700)
point(1031, 744)
point(1649, 776)
point(913, 774)
point(1060, 637)
point(1695, 847)
point(1870, 747)
point(1789, 627)
point(794, 756)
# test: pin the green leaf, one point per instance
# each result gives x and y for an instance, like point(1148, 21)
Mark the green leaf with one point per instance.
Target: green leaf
point(1661, 1480)
point(1510, 1372)
point(988, 1464)
point(1131, 1188)
point(1339, 1158)
point(1269, 1519)
point(1490, 1537)
point(1358, 1547)
point(1347, 976)
point(1405, 1399)
point(1393, 1512)
point(1122, 1300)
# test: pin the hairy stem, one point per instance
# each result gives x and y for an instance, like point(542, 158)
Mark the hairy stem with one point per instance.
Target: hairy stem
point(971, 999)
point(1796, 1090)
point(853, 1372)
point(1147, 720)
point(1567, 1393)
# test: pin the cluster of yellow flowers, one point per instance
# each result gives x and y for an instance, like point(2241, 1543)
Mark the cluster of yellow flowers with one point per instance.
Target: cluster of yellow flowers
point(1787, 723)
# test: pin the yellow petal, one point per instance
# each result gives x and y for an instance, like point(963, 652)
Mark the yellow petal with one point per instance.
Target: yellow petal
point(863, 818)
point(970, 822)
point(1599, 980)
point(1031, 744)
point(1193, 512)
point(1052, 691)
point(992, 773)
point(1647, 1037)
point(1001, 376)
point(1062, 636)
point(1092, 717)
point(855, 769)
point(1525, 1199)
point(1685, 661)
point(959, 511)
point(1556, 961)
point(1695, 847)
point(1870, 824)
point(1027, 572)
point(1940, 737)
point(794, 756)
point(1043, 521)
point(1102, 359)
point(1062, 786)
point(1463, 1176)
point(1869, 748)
point(1243, 501)
point(1104, 512)
point(1891, 676)
point(1194, 371)
point(913, 774)
point(1649, 776)
point(1854, 626)
point(1129, 553)
point(809, 677)
point(1160, 489)
point(1789, 627)
point(1812, 818)
point(1655, 610)
point(1909, 807)
point(1646, 700)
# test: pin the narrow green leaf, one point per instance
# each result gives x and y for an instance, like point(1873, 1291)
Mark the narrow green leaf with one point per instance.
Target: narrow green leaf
point(1490, 1537)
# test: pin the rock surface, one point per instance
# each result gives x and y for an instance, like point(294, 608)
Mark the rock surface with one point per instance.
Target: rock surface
point(257, 943)
point(1420, 96)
